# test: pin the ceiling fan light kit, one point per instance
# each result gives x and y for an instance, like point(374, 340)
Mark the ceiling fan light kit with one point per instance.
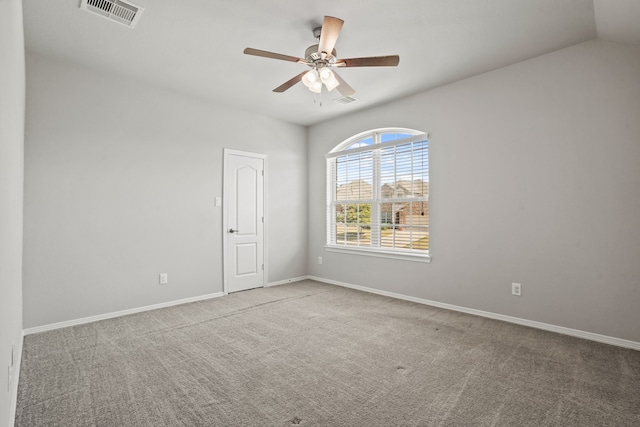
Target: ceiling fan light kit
point(321, 58)
point(314, 79)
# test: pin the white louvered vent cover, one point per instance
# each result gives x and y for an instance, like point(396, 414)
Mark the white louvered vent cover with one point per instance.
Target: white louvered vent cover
point(345, 100)
point(120, 11)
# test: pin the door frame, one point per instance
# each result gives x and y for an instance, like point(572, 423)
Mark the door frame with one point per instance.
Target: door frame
point(226, 153)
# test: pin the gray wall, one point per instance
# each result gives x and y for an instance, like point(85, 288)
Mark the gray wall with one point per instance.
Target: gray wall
point(535, 178)
point(120, 181)
point(12, 100)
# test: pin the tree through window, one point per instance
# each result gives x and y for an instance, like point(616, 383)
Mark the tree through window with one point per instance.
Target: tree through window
point(378, 193)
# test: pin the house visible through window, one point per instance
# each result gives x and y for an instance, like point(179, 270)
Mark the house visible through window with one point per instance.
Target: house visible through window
point(378, 194)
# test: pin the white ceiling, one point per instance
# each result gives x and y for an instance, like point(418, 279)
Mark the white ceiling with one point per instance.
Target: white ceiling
point(196, 46)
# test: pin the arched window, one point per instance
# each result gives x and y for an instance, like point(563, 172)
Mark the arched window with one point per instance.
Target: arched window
point(378, 194)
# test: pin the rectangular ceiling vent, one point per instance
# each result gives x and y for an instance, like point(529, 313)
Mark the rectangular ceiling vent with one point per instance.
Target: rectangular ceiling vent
point(345, 100)
point(120, 11)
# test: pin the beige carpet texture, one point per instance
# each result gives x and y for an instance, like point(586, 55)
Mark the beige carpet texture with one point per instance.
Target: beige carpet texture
point(312, 354)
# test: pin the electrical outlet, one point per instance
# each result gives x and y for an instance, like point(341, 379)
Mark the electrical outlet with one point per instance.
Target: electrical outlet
point(516, 289)
point(164, 278)
point(319, 260)
point(11, 367)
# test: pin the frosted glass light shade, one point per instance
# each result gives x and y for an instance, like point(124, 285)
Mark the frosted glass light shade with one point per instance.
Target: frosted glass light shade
point(309, 78)
point(325, 74)
point(331, 83)
point(316, 87)
point(328, 78)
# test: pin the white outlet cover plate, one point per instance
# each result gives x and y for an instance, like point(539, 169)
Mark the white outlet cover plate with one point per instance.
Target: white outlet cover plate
point(516, 289)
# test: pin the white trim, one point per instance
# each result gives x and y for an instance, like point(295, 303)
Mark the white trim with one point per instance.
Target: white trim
point(265, 181)
point(355, 250)
point(90, 319)
point(284, 282)
point(634, 345)
point(16, 380)
point(265, 223)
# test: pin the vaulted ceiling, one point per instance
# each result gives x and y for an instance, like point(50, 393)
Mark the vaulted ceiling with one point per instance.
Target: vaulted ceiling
point(196, 46)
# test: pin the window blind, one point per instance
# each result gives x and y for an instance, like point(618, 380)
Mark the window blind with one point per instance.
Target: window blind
point(378, 193)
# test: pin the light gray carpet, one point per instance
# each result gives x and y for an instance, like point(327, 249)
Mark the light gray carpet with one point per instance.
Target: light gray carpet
point(311, 354)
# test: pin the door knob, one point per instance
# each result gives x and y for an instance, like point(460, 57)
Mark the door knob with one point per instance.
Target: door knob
point(231, 230)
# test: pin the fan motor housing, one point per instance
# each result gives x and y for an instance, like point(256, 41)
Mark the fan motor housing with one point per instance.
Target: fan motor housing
point(313, 57)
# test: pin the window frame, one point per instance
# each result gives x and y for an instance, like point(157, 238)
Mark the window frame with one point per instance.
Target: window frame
point(376, 200)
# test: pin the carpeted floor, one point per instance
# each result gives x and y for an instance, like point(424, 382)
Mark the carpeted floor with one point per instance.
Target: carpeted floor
point(311, 354)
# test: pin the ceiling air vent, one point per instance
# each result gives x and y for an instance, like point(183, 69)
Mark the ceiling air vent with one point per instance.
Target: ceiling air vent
point(120, 11)
point(345, 100)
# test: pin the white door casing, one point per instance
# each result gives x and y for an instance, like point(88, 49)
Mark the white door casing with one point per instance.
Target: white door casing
point(243, 220)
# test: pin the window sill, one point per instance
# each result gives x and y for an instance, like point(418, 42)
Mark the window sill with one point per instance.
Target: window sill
point(379, 253)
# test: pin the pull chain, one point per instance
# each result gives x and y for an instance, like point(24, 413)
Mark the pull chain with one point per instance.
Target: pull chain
point(316, 100)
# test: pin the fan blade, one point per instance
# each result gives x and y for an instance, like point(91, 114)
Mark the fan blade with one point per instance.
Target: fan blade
point(286, 85)
point(329, 34)
point(370, 61)
point(266, 54)
point(343, 87)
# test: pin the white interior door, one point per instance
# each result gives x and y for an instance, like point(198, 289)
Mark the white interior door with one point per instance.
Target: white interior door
point(243, 220)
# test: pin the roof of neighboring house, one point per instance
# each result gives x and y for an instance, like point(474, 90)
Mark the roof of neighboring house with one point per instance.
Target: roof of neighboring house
point(361, 189)
point(404, 188)
point(358, 189)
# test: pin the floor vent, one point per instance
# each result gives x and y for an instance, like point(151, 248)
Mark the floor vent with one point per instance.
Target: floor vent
point(345, 100)
point(120, 11)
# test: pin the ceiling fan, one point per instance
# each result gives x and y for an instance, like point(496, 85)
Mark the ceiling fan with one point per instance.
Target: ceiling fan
point(322, 57)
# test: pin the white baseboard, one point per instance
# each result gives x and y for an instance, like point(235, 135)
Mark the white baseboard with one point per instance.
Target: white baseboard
point(284, 282)
point(531, 323)
point(90, 319)
point(16, 380)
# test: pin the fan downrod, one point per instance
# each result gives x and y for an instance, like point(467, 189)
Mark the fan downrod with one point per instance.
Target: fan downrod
point(316, 33)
